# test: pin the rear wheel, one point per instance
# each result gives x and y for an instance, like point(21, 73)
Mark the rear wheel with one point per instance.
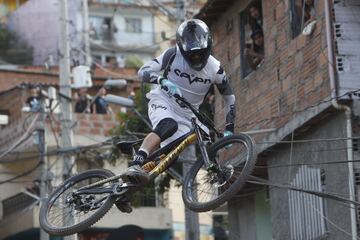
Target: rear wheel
point(204, 190)
point(64, 213)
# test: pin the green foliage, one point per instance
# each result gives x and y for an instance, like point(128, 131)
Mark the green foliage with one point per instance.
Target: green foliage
point(163, 183)
point(12, 49)
point(133, 62)
point(146, 197)
point(129, 121)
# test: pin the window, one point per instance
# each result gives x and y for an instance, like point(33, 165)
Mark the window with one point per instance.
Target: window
point(303, 14)
point(251, 38)
point(17, 203)
point(111, 61)
point(4, 117)
point(306, 209)
point(101, 28)
point(133, 25)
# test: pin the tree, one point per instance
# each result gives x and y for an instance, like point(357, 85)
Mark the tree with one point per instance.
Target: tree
point(12, 49)
point(133, 61)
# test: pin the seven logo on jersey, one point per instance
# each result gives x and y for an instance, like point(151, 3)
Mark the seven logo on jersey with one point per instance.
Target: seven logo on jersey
point(190, 79)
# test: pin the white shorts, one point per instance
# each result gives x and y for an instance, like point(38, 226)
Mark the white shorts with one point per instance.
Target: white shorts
point(162, 106)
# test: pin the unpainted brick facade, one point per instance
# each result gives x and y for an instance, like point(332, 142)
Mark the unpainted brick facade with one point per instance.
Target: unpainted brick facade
point(14, 92)
point(293, 77)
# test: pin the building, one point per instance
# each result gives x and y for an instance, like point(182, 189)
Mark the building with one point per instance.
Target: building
point(119, 32)
point(304, 92)
point(19, 197)
point(7, 6)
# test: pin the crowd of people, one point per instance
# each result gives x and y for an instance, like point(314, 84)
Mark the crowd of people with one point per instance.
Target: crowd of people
point(254, 50)
point(254, 43)
point(84, 103)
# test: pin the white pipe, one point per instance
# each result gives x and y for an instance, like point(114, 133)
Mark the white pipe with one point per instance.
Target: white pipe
point(347, 110)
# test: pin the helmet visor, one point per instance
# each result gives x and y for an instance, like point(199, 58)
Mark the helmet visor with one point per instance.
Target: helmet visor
point(193, 41)
point(197, 58)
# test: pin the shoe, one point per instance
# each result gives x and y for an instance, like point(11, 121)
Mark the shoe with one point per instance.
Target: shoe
point(124, 206)
point(135, 174)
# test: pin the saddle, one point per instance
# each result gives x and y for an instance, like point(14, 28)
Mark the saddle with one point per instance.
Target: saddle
point(127, 146)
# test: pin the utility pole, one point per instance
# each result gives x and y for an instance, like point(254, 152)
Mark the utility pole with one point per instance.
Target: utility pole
point(181, 11)
point(65, 89)
point(192, 229)
point(188, 157)
point(86, 31)
point(42, 152)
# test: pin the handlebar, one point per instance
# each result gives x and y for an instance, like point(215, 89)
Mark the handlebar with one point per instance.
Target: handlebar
point(202, 117)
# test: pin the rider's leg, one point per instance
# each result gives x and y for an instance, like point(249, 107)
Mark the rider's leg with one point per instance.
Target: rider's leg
point(150, 143)
point(163, 130)
point(135, 174)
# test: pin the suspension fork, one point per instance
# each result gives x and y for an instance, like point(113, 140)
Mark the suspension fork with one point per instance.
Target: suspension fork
point(210, 166)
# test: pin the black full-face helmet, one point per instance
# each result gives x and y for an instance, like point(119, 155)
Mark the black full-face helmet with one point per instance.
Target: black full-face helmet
point(194, 41)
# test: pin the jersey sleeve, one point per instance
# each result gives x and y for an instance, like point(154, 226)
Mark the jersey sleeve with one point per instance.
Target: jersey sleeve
point(222, 83)
point(150, 71)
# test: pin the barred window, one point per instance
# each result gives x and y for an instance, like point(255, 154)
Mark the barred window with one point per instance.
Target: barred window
point(307, 211)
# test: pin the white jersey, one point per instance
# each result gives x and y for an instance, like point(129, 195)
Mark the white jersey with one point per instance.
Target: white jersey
point(192, 84)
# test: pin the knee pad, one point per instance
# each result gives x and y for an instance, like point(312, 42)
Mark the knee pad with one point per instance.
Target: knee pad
point(166, 128)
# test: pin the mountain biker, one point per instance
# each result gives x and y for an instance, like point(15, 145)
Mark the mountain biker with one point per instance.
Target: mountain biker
point(189, 71)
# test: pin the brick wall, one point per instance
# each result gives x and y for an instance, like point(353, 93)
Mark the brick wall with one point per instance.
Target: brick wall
point(13, 100)
point(95, 124)
point(39, 75)
point(293, 77)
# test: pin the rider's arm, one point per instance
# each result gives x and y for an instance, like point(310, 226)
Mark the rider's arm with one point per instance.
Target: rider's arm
point(224, 87)
point(149, 72)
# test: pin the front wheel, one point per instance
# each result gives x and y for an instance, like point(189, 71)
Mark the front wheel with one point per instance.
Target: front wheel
point(205, 190)
point(64, 213)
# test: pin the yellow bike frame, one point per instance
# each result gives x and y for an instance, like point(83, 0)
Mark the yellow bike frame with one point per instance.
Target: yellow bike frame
point(163, 165)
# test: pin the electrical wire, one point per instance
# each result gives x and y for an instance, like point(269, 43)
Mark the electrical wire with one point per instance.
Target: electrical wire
point(295, 141)
point(22, 174)
point(306, 164)
point(22, 139)
point(260, 181)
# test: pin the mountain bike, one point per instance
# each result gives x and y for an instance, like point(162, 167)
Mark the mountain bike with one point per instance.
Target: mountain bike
point(223, 166)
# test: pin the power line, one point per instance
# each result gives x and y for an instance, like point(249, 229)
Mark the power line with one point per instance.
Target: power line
point(22, 174)
point(22, 139)
point(306, 164)
point(260, 181)
point(311, 140)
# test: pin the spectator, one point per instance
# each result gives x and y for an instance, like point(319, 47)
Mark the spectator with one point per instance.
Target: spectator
point(83, 101)
point(309, 12)
point(101, 106)
point(255, 18)
point(305, 15)
point(255, 54)
point(34, 100)
point(309, 18)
